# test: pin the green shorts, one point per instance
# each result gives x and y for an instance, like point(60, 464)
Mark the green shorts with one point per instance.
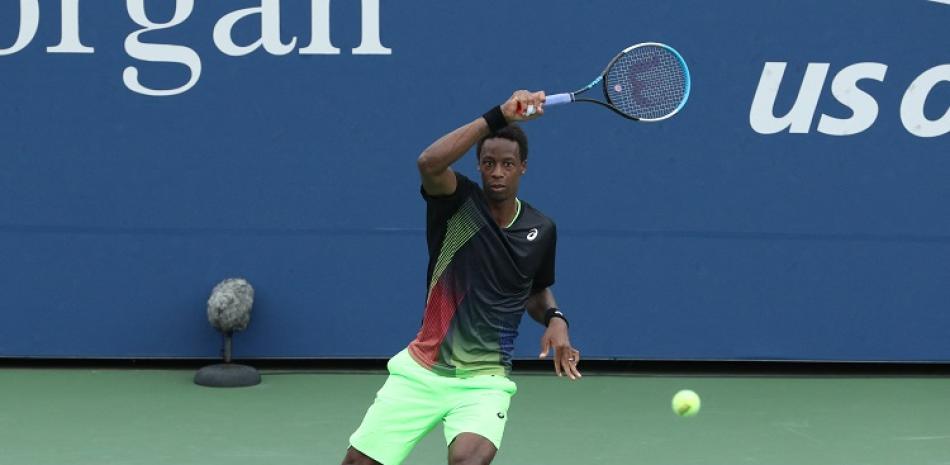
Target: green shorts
point(414, 400)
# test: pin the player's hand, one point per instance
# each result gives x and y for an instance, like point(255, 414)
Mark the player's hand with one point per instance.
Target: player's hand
point(523, 106)
point(566, 357)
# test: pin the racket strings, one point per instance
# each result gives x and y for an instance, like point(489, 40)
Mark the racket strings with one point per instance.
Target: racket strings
point(648, 82)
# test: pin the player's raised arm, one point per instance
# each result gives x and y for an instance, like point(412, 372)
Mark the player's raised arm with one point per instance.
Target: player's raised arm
point(434, 163)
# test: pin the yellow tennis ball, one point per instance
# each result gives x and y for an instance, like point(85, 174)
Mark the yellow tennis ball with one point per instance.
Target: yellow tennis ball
point(686, 403)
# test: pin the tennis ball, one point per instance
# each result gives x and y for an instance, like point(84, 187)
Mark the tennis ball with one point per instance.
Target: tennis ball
point(686, 403)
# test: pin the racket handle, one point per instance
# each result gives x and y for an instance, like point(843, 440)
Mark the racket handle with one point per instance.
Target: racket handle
point(558, 99)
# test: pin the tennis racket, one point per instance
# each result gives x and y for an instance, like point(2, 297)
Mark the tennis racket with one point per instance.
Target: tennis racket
point(645, 82)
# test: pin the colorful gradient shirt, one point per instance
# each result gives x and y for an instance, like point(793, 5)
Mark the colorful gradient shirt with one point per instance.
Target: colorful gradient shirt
point(480, 277)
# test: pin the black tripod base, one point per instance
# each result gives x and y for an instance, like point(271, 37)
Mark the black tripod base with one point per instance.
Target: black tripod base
point(228, 375)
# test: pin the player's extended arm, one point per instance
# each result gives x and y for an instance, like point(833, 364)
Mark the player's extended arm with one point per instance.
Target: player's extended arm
point(566, 356)
point(434, 162)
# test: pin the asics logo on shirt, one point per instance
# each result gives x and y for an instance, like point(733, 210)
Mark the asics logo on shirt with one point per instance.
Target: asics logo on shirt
point(532, 234)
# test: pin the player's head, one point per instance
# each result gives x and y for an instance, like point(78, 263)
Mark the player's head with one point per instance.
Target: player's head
point(502, 160)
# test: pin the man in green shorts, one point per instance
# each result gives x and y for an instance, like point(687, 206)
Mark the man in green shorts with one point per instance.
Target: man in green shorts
point(491, 258)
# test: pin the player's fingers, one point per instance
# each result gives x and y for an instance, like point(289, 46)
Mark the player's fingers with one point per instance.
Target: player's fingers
point(531, 98)
point(515, 104)
point(538, 98)
point(528, 107)
point(533, 104)
point(567, 362)
point(576, 358)
point(545, 346)
point(557, 363)
point(575, 373)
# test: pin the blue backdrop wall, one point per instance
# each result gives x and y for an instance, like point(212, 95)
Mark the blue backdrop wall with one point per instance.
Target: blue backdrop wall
point(796, 208)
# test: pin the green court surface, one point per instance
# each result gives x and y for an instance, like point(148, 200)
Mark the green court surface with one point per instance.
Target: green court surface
point(151, 417)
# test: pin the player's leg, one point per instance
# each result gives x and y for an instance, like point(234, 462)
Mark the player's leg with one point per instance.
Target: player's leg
point(355, 457)
point(475, 425)
point(471, 449)
point(405, 410)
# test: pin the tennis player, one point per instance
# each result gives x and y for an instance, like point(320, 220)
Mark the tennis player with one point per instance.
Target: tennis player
point(491, 257)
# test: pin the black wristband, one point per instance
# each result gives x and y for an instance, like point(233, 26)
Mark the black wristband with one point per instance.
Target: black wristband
point(553, 312)
point(495, 119)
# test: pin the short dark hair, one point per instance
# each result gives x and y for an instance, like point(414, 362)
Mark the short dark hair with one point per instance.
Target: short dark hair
point(512, 132)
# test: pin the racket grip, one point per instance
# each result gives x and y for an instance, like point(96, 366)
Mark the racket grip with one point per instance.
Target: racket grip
point(558, 99)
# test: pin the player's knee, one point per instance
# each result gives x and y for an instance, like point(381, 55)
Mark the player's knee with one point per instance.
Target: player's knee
point(464, 458)
point(355, 457)
point(359, 461)
point(471, 449)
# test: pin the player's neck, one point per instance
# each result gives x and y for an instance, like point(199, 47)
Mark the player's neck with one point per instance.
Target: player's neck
point(505, 212)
